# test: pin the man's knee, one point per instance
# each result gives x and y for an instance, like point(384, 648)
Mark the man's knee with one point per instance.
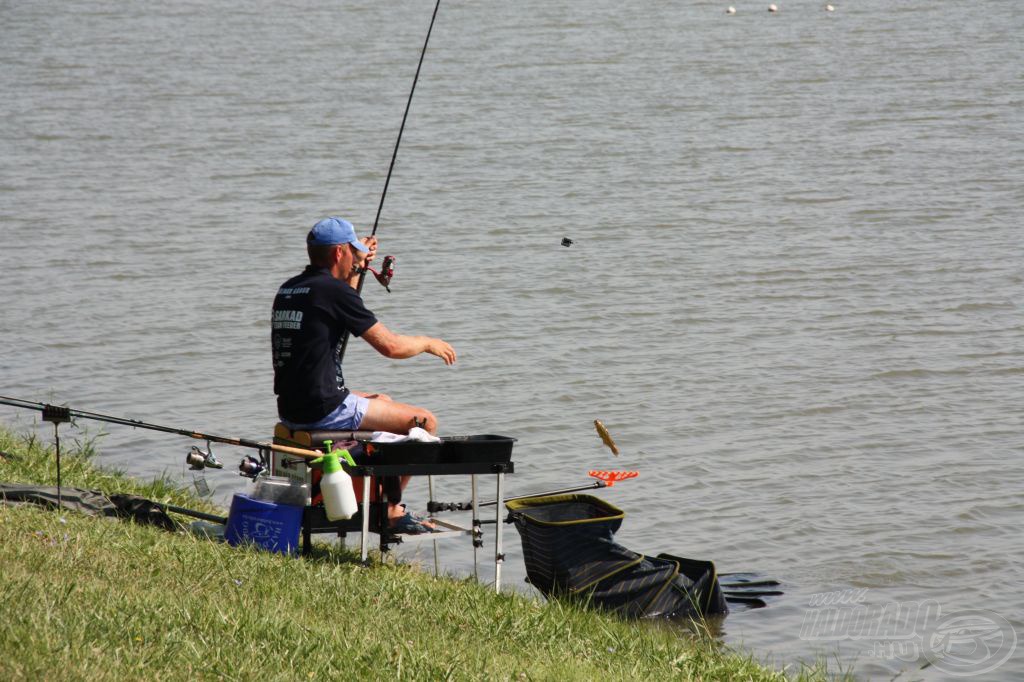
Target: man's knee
point(425, 420)
point(397, 417)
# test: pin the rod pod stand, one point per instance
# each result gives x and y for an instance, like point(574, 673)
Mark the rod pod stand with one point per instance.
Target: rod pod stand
point(57, 415)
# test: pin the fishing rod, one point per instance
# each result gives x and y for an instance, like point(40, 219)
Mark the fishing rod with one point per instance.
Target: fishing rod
point(386, 271)
point(605, 479)
point(215, 518)
point(466, 506)
point(197, 458)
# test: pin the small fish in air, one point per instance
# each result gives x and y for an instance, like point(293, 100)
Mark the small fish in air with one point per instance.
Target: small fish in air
point(606, 437)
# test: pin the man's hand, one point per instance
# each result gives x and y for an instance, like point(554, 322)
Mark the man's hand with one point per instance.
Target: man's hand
point(371, 244)
point(442, 350)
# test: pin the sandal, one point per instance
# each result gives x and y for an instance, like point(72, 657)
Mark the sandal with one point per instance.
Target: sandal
point(408, 524)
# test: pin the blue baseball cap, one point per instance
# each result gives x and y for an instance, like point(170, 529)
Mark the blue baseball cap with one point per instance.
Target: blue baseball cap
point(331, 231)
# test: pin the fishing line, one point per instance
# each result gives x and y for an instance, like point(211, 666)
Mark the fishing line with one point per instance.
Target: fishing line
point(401, 129)
point(391, 167)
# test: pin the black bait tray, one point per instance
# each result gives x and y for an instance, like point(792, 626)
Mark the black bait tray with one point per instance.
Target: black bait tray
point(484, 448)
point(401, 452)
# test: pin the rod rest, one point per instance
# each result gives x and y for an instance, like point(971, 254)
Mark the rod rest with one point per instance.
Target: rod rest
point(433, 506)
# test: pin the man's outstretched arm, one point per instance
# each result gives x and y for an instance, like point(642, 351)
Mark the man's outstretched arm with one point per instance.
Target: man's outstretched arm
point(399, 346)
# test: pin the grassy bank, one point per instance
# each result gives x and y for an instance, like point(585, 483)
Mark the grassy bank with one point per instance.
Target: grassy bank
point(98, 599)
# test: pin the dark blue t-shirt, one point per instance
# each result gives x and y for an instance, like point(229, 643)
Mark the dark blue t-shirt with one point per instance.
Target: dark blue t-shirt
point(311, 313)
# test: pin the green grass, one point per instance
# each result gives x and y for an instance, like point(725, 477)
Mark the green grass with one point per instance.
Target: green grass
point(98, 599)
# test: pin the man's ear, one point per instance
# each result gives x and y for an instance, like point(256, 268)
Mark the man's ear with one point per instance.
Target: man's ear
point(336, 253)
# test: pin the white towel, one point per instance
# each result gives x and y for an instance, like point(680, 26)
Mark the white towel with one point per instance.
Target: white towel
point(415, 433)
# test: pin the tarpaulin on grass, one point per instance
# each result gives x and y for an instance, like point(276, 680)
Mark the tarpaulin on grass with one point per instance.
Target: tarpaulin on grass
point(92, 502)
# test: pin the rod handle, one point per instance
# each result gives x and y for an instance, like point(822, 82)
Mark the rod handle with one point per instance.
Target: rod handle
point(299, 452)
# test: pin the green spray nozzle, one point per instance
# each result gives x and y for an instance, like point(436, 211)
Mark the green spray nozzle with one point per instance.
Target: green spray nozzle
point(330, 461)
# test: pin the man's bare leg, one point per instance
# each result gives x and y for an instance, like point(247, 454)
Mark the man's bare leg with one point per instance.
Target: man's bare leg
point(384, 414)
point(387, 415)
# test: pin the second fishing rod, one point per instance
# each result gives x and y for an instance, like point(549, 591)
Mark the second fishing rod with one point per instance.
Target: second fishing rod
point(197, 459)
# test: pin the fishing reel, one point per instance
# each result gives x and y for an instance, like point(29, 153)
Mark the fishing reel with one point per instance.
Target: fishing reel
point(253, 468)
point(387, 271)
point(198, 459)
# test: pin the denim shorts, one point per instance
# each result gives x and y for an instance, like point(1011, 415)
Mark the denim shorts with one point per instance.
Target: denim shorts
point(346, 417)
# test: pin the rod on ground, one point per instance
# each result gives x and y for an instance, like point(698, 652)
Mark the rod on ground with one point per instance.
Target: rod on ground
point(192, 512)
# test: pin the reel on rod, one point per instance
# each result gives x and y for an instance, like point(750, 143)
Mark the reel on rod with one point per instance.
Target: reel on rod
point(252, 467)
point(387, 271)
point(198, 459)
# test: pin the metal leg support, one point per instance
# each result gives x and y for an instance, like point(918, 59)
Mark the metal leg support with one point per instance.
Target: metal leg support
point(430, 490)
point(477, 530)
point(382, 518)
point(499, 557)
point(364, 540)
point(56, 439)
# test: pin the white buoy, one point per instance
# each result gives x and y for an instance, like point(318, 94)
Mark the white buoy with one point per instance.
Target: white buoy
point(731, 10)
point(773, 8)
point(830, 8)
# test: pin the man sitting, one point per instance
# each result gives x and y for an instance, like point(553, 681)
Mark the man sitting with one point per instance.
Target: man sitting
point(311, 314)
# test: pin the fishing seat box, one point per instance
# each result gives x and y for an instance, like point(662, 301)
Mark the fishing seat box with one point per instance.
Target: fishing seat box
point(408, 452)
point(453, 455)
point(314, 518)
point(452, 450)
point(291, 466)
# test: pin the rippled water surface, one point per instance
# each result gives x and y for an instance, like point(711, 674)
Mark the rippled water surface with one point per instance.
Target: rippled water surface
point(794, 295)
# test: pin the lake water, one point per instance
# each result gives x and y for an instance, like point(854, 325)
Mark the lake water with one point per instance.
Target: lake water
point(794, 295)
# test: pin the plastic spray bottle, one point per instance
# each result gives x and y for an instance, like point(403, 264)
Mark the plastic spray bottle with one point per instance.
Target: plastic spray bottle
point(336, 485)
